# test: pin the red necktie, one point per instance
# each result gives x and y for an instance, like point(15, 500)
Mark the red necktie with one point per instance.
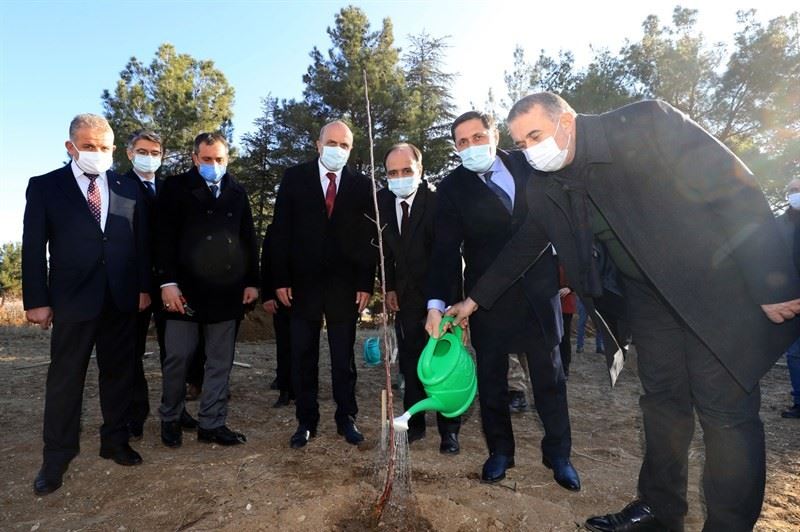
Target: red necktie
point(93, 196)
point(404, 219)
point(330, 193)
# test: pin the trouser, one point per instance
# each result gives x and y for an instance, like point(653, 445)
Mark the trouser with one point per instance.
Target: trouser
point(565, 347)
point(281, 321)
point(549, 394)
point(140, 404)
point(680, 375)
point(182, 338)
point(793, 361)
point(112, 334)
point(583, 317)
point(411, 340)
point(518, 373)
point(305, 369)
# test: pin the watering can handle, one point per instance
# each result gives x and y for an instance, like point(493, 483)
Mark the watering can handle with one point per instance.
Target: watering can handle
point(457, 330)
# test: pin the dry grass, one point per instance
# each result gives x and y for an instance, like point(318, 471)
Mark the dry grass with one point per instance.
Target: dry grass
point(12, 313)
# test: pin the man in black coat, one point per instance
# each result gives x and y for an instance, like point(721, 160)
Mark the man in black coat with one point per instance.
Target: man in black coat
point(407, 207)
point(709, 287)
point(324, 265)
point(480, 206)
point(207, 260)
point(281, 323)
point(144, 152)
point(93, 224)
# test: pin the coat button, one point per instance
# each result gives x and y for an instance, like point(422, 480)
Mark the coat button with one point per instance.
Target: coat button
point(105, 239)
point(208, 237)
point(209, 211)
point(102, 261)
point(227, 266)
point(230, 215)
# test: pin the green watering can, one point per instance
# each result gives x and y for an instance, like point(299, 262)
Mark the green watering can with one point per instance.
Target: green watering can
point(447, 372)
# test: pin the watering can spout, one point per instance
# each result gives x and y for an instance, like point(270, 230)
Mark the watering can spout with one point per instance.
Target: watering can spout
point(401, 422)
point(431, 403)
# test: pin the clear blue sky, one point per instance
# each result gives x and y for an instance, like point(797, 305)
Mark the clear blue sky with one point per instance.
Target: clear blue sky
point(56, 57)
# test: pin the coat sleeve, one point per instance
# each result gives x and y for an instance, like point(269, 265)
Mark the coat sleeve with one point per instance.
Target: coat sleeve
point(35, 236)
point(143, 245)
point(267, 286)
point(249, 242)
point(518, 255)
point(166, 241)
point(711, 174)
point(388, 253)
point(444, 280)
point(280, 244)
point(365, 276)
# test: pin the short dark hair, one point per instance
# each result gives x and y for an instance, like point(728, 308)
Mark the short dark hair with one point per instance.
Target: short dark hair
point(553, 104)
point(399, 146)
point(485, 118)
point(209, 139)
point(144, 134)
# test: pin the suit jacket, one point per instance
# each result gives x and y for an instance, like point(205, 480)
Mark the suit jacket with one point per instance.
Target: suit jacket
point(85, 261)
point(693, 219)
point(407, 256)
point(150, 209)
point(324, 261)
point(469, 213)
point(206, 245)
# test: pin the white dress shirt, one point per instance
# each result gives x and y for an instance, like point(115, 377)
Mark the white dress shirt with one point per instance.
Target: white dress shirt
point(399, 210)
point(101, 183)
point(323, 178)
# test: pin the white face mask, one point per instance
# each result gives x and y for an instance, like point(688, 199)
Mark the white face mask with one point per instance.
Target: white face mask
point(147, 164)
point(93, 162)
point(334, 158)
point(794, 200)
point(546, 156)
point(403, 187)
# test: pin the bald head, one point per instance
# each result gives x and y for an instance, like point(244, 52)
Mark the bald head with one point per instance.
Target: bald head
point(334, 145)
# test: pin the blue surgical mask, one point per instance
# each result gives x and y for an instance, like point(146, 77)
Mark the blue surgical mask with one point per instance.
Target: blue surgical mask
point(147, 164)
point(334, 158)
point(403, 187)
point(478, 158)
point(212, 173)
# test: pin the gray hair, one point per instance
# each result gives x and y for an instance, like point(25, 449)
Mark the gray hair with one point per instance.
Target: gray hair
point(553, 104)
point(90, 121)
point(144, 134)
point(210, 139)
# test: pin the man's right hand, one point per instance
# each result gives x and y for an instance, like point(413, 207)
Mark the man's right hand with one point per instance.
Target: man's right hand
point(270, 306)
point(284, 295)
point(391, 301)
point(171, 296)
point(433, 323)
point(42, 316)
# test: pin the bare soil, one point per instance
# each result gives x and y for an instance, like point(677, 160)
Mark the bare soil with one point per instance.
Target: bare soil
point(330, 485)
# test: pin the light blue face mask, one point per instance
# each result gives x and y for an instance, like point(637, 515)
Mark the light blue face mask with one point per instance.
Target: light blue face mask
point(403, 187)
point(477, 158)
point(146, 163)
point(212, 172)
point(334, 158)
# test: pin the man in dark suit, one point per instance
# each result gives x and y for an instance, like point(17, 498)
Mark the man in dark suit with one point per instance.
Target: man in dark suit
point(480, 206)
point(281, 323)
point(706, 278)
point(93, 223)
point(207, 260)
point(144, 152)
point(407, 207)
point(324, 265)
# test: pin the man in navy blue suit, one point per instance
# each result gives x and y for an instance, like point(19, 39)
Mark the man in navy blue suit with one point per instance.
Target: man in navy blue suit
point(92, 222)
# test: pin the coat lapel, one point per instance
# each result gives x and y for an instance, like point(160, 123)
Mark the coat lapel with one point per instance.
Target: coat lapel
point(417, 213)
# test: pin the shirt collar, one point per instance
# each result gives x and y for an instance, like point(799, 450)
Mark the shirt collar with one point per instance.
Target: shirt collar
point(323, 171)
point(496, 168)
point(144, 179)
point(408, 200)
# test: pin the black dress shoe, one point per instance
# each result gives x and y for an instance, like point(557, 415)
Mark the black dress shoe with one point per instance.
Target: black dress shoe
point(518, 403)
point(49, 479)
point(283, 399)
point(187, 421)
point(494, 469)
point(792, 413)
point(221, 435)
point(563, 472)
point(301, 436)
point(415, 435)
point(636, 517)
point(449, 444)
point(121, 454)
point(171, 434)
point(350, 432)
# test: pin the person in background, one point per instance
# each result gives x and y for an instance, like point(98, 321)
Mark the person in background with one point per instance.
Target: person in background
point(583, 318)
point(568, 308)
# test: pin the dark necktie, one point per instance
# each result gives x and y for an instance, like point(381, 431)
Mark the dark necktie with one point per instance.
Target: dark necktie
point(505, 199)
point(214, 189)
point(150, 187)
point(93, 197)
point(404, 219)
point(330, 193)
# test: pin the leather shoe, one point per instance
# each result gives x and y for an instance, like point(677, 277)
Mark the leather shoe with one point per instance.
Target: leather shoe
point(518, 403)
point(221, 435)
point(415, 435)
point(449, 444)
point(49, 479)
point(283, 399)
point(494, 469)
point(171, 434)
point(301, 436)
point(792, 413)
point(636, 517)
point(187, 421)
point(350, 432)
point(121, 454)
point(563, 472)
